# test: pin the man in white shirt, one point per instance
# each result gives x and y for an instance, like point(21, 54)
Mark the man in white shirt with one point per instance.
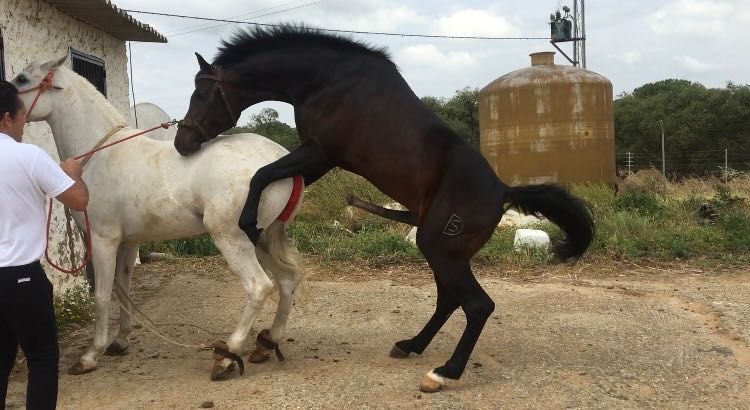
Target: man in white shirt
point(28, 176)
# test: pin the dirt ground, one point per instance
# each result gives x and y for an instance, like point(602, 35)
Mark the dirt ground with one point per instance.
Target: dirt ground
point(587, 336)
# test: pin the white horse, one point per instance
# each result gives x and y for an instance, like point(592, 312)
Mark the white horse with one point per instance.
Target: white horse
point(143, 190)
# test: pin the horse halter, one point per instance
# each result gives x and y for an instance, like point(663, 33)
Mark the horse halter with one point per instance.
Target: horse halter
point(218, 84)
point(43, 86)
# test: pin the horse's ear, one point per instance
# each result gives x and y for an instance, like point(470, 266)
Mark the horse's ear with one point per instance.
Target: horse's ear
point(54, 63)
point(202, 62)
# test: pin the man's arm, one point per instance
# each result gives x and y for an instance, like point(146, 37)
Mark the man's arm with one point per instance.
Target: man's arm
point(77, 196)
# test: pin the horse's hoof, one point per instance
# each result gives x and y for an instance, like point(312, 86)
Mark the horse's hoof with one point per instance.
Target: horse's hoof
point(220, 372)
point(432, 383)
point(258, 357)
point(115, 349)
point(397, 353)
point(78, 369)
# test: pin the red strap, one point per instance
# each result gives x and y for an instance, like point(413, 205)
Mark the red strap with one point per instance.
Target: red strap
point(293, 199)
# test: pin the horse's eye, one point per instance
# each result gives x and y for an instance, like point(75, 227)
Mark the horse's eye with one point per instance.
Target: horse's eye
point(22, 79)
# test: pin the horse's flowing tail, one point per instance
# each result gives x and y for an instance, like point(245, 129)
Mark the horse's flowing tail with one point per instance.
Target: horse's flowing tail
point(280, 248)
point(283, 254)
point(563, 209)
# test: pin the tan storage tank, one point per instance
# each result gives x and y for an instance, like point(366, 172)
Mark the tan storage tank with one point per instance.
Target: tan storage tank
point(548, 123)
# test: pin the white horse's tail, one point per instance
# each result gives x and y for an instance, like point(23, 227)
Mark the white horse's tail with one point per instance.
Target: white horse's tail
point(280, 247)
point(284, 256)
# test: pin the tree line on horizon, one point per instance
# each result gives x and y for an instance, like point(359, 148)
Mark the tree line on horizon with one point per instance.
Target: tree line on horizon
point(699, 124)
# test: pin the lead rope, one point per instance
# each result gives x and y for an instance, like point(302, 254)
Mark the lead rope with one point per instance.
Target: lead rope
point(86, 156)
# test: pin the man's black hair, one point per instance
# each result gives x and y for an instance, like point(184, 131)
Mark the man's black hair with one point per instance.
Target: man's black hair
point(8, 99)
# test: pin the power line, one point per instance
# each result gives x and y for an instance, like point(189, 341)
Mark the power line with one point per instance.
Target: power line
point(254, 17)
point(192, 26)
point(376, 33)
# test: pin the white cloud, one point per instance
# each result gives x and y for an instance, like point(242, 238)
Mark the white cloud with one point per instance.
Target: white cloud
point(631, 43)
point(694, 65)
point(428, 55)
point(471, 22)
point(694, 19)
point(627, 57)
point(360, 15)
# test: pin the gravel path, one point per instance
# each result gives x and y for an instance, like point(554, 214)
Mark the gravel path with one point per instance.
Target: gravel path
point(666, 340)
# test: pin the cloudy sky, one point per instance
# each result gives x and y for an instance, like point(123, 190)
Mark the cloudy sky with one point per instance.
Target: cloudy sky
point(631, 43)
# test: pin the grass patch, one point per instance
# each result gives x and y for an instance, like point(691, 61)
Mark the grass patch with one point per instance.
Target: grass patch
point(638, 222)
point(73, 307)
point(201, 245)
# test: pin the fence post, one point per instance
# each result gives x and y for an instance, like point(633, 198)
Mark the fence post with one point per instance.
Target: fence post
point(726, 166)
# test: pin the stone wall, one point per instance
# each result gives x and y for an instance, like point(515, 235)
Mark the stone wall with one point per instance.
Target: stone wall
point(34, 30)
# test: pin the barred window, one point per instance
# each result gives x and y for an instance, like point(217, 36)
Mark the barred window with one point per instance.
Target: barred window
point(2, 57)
point(91, 68)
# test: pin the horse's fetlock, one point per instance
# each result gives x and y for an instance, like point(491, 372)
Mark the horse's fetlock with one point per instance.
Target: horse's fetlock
point(449, 372)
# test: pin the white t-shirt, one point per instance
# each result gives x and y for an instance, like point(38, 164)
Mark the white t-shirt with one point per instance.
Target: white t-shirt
point(28, 175)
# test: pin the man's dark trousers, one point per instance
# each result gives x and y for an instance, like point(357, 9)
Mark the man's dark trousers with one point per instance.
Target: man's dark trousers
point(27, 317)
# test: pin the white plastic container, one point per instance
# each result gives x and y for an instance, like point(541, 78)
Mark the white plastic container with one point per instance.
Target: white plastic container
point(530, 238)
point(412, 236)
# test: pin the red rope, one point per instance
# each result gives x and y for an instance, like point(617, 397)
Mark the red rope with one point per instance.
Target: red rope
point(43, 86)
point(163, 125)
point(89, 252)
point(88, 243)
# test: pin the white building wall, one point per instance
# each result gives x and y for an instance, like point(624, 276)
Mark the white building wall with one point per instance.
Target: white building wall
point(33, 30)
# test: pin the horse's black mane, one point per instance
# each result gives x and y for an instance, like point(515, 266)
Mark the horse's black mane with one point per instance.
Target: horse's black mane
point(245, 43)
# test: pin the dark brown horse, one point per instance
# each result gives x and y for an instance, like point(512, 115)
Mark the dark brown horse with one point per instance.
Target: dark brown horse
point(354, 110)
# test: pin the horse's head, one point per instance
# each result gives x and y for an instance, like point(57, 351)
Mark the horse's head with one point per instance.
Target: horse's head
point(212, 108)
point(36, 87)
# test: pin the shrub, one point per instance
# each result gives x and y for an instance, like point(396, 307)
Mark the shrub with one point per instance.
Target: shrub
point(73, 307)
point(641, 202)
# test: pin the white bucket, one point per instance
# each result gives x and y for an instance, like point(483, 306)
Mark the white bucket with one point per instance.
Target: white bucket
point(530, 238)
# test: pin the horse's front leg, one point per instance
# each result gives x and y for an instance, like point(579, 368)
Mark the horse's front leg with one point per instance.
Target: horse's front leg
point(104, 256)
point(241, 258)
point(126, 257)
point(307, 159)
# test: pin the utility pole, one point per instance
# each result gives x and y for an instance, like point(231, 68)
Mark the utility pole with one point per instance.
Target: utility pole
point(579, 12)
point(663, 160)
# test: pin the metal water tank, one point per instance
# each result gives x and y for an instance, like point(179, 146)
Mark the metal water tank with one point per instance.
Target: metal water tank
point(548, 123)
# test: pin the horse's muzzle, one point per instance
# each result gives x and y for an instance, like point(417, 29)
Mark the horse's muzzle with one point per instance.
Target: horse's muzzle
point(186, 144)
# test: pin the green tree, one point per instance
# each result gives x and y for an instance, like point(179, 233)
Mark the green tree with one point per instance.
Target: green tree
point(699, 123)
point(460, 113)
point(266, 123)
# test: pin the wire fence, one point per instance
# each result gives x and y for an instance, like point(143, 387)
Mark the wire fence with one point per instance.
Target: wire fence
point(717, 162)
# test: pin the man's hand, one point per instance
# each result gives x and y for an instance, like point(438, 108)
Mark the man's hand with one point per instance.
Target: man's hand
point(73, 168)
point(77, 196)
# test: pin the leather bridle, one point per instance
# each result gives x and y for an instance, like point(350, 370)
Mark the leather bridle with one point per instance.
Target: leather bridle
point(218, 85)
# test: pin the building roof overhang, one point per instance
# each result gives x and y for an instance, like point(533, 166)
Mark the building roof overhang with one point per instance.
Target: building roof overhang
point(107, 17)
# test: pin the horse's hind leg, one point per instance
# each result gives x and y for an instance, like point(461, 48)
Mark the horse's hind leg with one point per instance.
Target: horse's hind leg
point(240, 254)
point(463, 217)
point(456, 276)
point(446, 305)
point(126, 257)
point(278, 256)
